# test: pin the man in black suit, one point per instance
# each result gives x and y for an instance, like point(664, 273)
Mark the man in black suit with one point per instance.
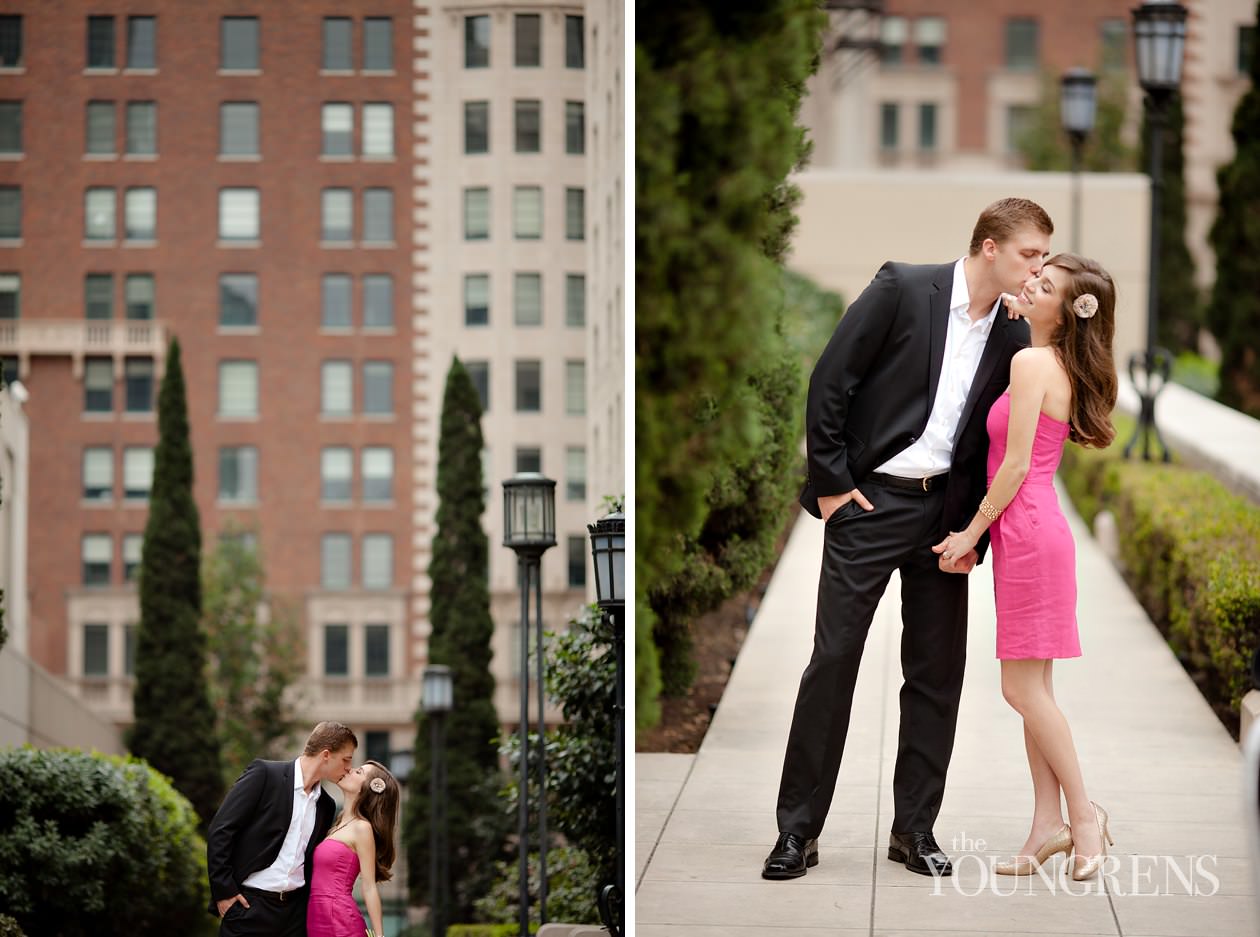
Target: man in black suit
point(896, 444)
point(261, 840)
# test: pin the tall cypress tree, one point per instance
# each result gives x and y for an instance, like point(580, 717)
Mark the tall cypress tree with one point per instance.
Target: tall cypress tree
point(461, 630)
point(1234, 313)
point(174, 723)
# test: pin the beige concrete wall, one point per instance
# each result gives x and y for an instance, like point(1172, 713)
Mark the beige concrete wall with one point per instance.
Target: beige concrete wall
point(37, 708)
point(851, 222)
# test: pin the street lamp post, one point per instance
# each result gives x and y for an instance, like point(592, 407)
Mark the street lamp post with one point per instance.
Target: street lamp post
point(401, 763)
point(1159, 32)
point(1077, 106)
point(437, 697)
point(529, 528)
point(608, 551)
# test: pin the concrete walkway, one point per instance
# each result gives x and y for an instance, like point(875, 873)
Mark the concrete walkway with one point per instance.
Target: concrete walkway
point(1153, 753)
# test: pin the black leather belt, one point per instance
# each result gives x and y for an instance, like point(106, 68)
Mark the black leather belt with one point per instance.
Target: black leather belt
point(920, 485)
point(280, 896)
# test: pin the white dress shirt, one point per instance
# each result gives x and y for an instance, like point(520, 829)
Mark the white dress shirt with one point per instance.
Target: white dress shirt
point(932, 453)
point(289, 870)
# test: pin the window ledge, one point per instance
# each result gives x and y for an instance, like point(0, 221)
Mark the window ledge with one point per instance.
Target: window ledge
point(240, 158)
point(13, 70)
point(237, 417)
point(336, 158)
point(379, 417)
point(378, 245)
point(100, 157)
point(12, 157)
point(232, 504)
point(100, 70)
point(377, 72)
point(231, 244)
point(241, 72)
point(337, 72)
point(89, 504)
point(337, 245)
point(239, 330)
point(335, 505)
point(378, 330)
point(10, 242)
point(132, 501)
point(336, 417)
point(140, 71)
point(378, 505)
point(140, 157)
point(338, 330)
point(97, 416)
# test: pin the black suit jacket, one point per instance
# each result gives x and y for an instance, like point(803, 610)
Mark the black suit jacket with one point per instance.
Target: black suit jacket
point(248, 830)
point(872, 389)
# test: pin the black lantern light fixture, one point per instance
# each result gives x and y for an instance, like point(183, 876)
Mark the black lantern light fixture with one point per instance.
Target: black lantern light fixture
point(437, 697)
point(1078, 104)
point(1159, 33)
point(529, 528)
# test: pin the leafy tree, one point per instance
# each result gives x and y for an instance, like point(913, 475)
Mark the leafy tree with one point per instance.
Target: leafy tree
point(1046, 148)
point(174, 723)
point(1234, 313)
point(254, 658)
point(718, 90)
point(460, 639)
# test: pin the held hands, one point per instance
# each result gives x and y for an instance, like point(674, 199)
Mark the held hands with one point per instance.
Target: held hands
point(228, 902)
point(829, 504)
point(957, 553)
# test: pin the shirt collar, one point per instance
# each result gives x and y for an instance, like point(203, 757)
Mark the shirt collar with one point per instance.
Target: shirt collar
point(298, 781)
point(960, 299)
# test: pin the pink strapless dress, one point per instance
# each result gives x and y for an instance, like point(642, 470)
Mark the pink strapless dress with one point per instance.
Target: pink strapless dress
point(1034, 556)
point(332, 911)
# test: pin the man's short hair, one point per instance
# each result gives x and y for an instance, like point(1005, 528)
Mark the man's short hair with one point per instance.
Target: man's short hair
point(1006, 216)
point(332, 736)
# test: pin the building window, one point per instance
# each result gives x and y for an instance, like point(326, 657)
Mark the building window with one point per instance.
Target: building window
point(239, 44)
point(95, 649)
point(337, 44)
point(9, 369)
point(336, 473)
point(1019, 121)
point(476, 42)
point(1115, 44)
point(376, 650)
point(10, 42)
point(10, 212)
point(476, 214)
point(10, 126)
point(574, 128)
point(100, 42)
point(574, 42)
point(378, 216)
point(337, 124)
point(575, 214)
point(132, 554)
point(138, 374)
point(336, 388)
point(98, 296)
point(98, 557)
point(138, 294)
point(141, 42)
point(893, 33)
point(889, 118)
point(238, 300)
point(378, 44)
point(927, 127)
point(929, 39)
point(140, 214)
point(376, 746)
point(528, 459)
point(238, 474)
point(527, 210)
point(100, 128)
point(1021, 43)
point(378, 561)
point(334, 561)
point(378, 473)
point(142, 128)
point(378, 301)
point(238, 388)
point(336, 648)
point(98, 473)
point(335, 302)
point(238, 128)
point(528, 386)
point(477, 299)
point(137, 472)
point(479, 373)
point(337, 215)
point(575, 473)
point(98, 385)
point(575, 300)
point(476, 127)
point(528, 126)
point(1246, 48)
point(238, 215)
point(528, 40)
point(378, 387)
point(575, 388)
point(577, 562)
point(527, 299)
point(10, 297)
point(378, 130)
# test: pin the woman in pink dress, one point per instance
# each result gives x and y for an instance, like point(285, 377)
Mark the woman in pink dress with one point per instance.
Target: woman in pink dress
point(360, 842)
point(1063, 387)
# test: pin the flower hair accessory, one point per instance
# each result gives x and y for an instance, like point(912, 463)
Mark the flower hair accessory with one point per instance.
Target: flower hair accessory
point(377, 785)
point(1085, 305)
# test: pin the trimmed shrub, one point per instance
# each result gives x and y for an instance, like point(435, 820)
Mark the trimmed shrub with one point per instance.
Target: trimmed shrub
point(98, 845)
point(572, 886)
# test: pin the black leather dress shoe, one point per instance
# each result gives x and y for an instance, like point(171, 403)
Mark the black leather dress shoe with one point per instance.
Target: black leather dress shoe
point(791, 856)
point(920, 853)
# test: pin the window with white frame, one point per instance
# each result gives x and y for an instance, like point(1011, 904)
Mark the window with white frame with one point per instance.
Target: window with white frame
point(527, 210)
point(575, 388)
point(100, 42)
point(577, 561)
point(336, 388)
point(141, 42)
point(98, 473)
point(238, 388)
point(575, 300)
point(378, 130)
point(378, 387)
point(140, 214)
point(336, 473)
point(98, 296)
point(378, 44)
point(575, 214)
point(378, 216)
point(10, 127)
point(100, 128)
point(98, 385)
point(336, 650)
point(376, 650)
point(378, 301)
point(238, 474)
point(335, 301)
point(574, 42)
point(528, 386)
point(95, 649)
point(476, 127)
point(336, 215)
point(378, 473)
point(528, 34)
point(141, 128)
point(334, 561)
point(527, 299)
point(575, 473)
point(337, 55)
point(137, 472)
point(238, 300)
point(238, 128)
point(99, 214)
point(378, 561)
point(138, 296)
point(476, 299)
point(10, 296)
point(476, 41)
point(239, 43)
point(337, 126)
point(574, 127)
point(476, 214)
point(132, 553)
point(238, 215)
point(98, 558)
point(139, 385)
point(528, 126)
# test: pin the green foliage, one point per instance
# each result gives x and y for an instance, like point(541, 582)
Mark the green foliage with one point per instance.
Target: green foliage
point(98, 845)
point(488, 930)
point(1234, 312)
point(1046, 148)
point(10, 928)
point(174, 722)
point(460, 638)
point(1197, 373)
point(718, 89)
point(254, 659)
point(572, 884)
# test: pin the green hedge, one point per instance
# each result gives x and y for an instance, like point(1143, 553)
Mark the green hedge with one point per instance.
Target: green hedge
point(1190, 550)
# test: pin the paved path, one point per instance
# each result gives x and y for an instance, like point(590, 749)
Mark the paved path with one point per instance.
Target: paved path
point(1154, 755)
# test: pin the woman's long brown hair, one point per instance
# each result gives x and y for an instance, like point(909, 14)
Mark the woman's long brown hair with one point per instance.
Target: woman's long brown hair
point(1084, 349)
point(381, 811)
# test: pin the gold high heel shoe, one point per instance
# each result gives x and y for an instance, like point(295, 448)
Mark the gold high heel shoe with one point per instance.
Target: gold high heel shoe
point(1085, 868)
point(1023, 865)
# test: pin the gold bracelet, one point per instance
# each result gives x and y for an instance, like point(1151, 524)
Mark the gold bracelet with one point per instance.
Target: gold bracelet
point(988, 510)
